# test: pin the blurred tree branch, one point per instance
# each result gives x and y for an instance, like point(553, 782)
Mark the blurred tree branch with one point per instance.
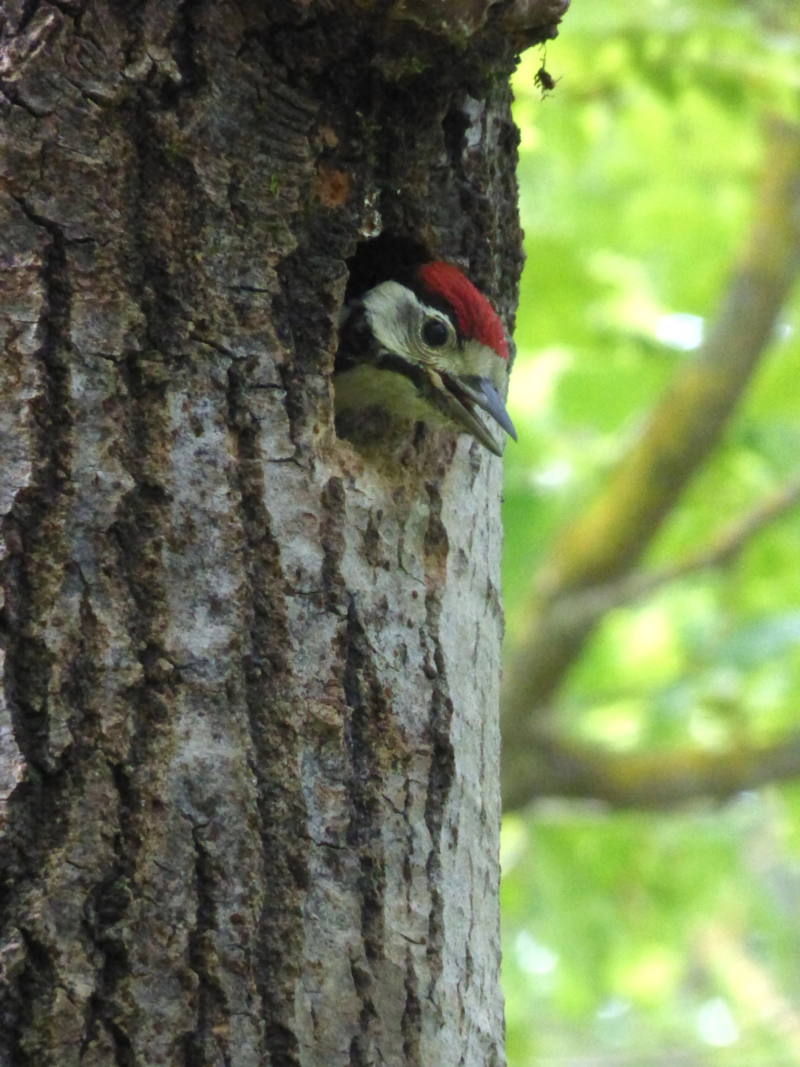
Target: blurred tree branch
point(590, 605)
point(654, 780)
point(602, 546)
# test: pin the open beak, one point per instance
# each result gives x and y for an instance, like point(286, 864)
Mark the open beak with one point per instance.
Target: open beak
point(468, 393)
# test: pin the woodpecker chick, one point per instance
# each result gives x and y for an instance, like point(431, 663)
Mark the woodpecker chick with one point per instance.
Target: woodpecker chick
point(427, 348)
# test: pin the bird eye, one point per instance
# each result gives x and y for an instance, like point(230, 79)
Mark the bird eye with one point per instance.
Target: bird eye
point(435, 333)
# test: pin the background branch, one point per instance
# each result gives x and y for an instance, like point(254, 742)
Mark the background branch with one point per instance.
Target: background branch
point(654, 780)
point(590, 605)
point(604, 543)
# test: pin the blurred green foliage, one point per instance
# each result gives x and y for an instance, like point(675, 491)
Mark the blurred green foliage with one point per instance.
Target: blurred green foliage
point(654, 939)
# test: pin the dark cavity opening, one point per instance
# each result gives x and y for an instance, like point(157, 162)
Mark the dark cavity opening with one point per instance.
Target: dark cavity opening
point(381, 259)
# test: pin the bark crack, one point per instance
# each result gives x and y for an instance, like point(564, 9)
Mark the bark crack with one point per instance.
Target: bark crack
point(29, 9)
point(367, 742)
point(137, 540)
point(31, 576)
point(193, 74)
point(209, 1042)
point(364, 739)
point(106, 908)
point(273, 735)
point(442, 767)
point(35, 523)
point(411, 1023)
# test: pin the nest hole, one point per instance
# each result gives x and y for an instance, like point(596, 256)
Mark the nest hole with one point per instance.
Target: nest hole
point(382, 258)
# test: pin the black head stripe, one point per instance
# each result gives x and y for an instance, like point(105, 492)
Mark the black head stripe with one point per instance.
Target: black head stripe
point(357, 342)
point(412, 371)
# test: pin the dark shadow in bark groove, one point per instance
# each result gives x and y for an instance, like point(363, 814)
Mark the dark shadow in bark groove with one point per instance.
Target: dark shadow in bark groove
point(38, 976)
point(411, 1022)
point(365, 740)
point(137, 538)
point(367, 743)
point(442, 767)
point(37, 812)
point(35, 524)
point(208, 1043)
point(273, 734)
point(108, 904)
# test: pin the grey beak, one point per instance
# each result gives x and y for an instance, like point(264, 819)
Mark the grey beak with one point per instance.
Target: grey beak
point(487, 397)
point(466, 392)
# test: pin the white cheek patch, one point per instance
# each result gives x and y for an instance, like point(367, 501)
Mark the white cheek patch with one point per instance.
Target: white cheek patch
point(483, 362)
point(394, 314)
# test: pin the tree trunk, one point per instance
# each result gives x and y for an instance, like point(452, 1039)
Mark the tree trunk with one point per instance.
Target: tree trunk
point(249, 739)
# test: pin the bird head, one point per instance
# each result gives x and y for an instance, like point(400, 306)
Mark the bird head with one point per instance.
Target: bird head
point(429, 347)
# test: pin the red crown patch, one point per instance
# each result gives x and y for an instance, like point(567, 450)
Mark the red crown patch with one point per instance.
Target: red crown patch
point(476, 317)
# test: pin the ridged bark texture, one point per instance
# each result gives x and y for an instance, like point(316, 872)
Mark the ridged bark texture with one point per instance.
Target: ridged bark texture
point(248, 737)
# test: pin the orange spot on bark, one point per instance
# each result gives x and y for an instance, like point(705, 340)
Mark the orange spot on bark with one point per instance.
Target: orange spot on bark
point(332, 187)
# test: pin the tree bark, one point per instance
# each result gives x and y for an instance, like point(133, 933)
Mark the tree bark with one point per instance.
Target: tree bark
point(248, 737)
